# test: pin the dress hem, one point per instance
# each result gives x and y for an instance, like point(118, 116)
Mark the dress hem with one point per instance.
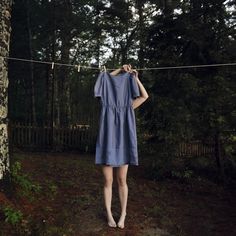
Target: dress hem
point(113, 165)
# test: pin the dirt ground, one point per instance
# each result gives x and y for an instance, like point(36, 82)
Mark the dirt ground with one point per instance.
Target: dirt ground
point(71, 202)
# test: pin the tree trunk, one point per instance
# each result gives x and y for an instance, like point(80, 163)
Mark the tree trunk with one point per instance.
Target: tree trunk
point(141, 35)
point(218, 156)
point(98, 34)
point(125, 48)
point(48, 90)
point(64, 80)
point(5, 30)
point(55, 105)
point(33, 110)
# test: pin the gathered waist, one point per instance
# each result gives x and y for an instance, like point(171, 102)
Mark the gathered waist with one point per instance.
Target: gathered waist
point(116, 106)
point(116, 110)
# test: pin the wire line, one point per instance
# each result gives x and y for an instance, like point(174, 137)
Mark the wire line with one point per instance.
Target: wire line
point(138, 69)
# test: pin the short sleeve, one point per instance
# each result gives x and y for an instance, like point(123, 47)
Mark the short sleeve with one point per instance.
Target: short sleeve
point(134, 87)
point(98, 88)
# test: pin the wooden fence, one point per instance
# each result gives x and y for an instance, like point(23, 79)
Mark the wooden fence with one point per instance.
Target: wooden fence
point(196, 148)
point(80, 137)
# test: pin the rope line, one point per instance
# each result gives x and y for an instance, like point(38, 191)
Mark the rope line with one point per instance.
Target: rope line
point(104, 68)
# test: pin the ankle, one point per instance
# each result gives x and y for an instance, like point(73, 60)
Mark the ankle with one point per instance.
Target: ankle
point(109, 213)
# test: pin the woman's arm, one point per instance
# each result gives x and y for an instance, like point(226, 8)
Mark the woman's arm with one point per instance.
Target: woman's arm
point(124, 68)
point(115, 72)
point(143, 93)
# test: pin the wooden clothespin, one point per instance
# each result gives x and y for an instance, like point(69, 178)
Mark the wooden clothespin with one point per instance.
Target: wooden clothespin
point(52, 65)
point(104, 68)
point(99, 66)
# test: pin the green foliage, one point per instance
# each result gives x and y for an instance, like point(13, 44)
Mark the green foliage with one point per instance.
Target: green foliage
point(184, 174)
point(229, 153)
point(155, 211)
point(163, 167)
point(160, 165)
point(27, 186)
point(194, 103)
point(12, 215)
point(184, 104)
point(229, 146)
point(52, 189)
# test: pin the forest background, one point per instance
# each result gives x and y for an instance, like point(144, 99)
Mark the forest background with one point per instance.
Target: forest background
point(184, 104)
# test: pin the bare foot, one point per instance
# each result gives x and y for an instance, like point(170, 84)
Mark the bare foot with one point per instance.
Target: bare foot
point(121, 223)
point(110, 221)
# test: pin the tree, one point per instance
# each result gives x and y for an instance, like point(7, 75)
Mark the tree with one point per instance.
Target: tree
point(193, 103)
point(5, 30)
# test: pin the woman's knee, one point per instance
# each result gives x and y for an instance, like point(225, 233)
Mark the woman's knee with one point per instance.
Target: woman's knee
point(121, 181)
point(108, 182)
point(108, 175)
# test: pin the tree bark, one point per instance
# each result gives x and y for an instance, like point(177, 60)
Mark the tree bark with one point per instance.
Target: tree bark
point(65, 82)
point(141, 34)
point(5, 31)
point(64, 77)
point(218, 156)
point(33, 110)
point(48, 90)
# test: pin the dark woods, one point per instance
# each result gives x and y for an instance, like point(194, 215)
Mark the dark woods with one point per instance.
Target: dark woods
point(185, 105)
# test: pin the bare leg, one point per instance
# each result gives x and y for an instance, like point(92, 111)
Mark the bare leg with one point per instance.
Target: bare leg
point(108, 179)
point(123, 192)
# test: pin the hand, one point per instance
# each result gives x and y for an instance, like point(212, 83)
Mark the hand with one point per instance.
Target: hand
point(126, 68)
point(135, 73)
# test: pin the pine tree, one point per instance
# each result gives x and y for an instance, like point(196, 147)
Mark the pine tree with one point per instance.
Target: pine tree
point(5, 30)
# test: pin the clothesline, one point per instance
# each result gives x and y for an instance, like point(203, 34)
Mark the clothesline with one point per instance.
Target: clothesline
point(78, 66)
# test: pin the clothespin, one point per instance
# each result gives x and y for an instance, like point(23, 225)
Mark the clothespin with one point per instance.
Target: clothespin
point(78, 68)
point(104, 68)
point(52, 65)
point(101, 68)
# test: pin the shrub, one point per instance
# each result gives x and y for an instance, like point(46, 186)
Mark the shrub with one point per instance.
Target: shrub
point(12, 215)
point(27, 186)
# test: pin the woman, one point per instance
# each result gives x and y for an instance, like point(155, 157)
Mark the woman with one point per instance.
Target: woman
point(121, 170)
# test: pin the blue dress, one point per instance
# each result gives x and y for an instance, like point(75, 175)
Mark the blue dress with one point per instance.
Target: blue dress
point(116, 143)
